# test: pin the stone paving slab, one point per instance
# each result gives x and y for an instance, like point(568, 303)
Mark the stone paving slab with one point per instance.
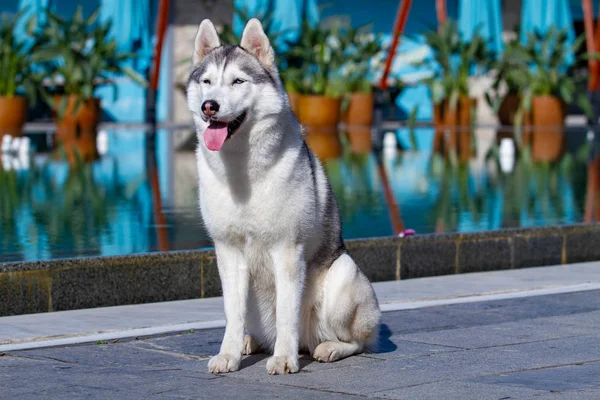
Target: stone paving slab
point(540, 347)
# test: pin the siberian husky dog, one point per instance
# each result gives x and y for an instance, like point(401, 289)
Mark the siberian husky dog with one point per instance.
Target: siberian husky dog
point(288, 282)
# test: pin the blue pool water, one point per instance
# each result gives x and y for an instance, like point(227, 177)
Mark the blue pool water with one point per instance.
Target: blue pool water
point(117, 205)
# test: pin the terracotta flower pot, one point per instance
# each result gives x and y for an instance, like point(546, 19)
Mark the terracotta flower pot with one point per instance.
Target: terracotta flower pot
point(318, 112)
point(506, 115)
point(13, 114)
point(324, 144)
point(453, 127)
point(76, 131)
point(360, 139)
point(466, 105)
point(360, 110)
point(508, 109)
point(547, 117)
point(294, 99)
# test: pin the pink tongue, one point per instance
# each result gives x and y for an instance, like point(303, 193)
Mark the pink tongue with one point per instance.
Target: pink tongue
point(215, 135)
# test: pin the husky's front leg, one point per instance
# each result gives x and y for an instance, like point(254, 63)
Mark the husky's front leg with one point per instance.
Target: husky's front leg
point(290, 270)
point(233, 271)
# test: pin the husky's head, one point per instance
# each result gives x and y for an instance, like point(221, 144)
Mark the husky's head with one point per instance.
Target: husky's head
point(232, 87)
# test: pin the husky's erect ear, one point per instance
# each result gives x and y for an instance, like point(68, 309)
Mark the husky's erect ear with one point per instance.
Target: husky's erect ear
point(206, 40)
point(255, 41)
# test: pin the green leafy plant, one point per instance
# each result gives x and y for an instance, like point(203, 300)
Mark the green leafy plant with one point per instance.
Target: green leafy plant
point(80, 56)
point(454, 61)
point(360, 48)
point(512, 73)
point(545, 54)
point(17, 73)
point(317, 57)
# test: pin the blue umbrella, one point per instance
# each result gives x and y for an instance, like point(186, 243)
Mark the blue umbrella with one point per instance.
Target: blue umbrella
point(131, 27)
point(287, 15)
point(484, 17)
point(541, 15)
point(35, 8)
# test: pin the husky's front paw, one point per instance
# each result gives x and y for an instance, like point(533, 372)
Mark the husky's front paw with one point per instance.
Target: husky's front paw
point(223, 363)
point(279, 365)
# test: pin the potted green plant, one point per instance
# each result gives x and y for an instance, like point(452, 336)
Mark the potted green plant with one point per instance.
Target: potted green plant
point(18, 81)
point(318, 57)
point(551, 86)
point(454, 62)
point(360, 49)
point(80, 55)
point(511, 70)
point(290, 78)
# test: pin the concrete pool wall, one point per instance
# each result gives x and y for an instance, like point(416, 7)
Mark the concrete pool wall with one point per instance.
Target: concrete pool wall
point(68, 284)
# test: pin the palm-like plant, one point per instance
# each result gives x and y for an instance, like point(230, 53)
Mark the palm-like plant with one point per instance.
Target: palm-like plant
point(453, 62)
point(80, 55)
point(360, 48)
point(511, 70)
point(318, 56)
point(17, 73)
point(548, 76)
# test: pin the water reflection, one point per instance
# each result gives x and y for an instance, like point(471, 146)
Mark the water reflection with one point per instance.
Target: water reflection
point(56, 209)
point(592, 197)
point(132, 200)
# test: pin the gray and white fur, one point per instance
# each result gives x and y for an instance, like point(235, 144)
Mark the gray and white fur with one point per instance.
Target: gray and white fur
point(288, 282)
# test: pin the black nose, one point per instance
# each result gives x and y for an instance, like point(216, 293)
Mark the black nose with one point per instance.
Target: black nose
point(210, 107)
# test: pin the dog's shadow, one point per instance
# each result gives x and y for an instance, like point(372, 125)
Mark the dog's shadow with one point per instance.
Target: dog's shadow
point(252, 359)
point(384, 344)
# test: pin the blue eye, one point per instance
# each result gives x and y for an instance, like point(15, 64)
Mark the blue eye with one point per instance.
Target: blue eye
point(238, 81)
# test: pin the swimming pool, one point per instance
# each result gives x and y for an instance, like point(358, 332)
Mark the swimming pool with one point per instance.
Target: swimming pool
point(119, 205)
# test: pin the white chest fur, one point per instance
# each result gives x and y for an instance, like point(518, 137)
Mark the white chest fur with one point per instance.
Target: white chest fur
point(241, 201)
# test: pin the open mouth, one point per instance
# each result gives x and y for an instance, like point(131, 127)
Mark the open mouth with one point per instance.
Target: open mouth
point(234, 125)
point(218, 132)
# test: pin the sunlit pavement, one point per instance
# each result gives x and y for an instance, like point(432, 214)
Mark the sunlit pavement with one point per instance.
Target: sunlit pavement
point(519, 334)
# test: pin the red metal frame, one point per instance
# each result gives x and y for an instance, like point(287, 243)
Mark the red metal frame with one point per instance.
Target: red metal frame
point(590, 35)
point(399, 24)
point(592, 197)
point(442, 14)
point(162, 20)
point(393, 209)
point(160, 221)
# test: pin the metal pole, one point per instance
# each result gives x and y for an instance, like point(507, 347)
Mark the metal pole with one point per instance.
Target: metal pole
point(588, 20)
point(393, 208)
point(161, 27)
point(442, 14)
point(160, 222)
point(399, 24)
point(592, 202)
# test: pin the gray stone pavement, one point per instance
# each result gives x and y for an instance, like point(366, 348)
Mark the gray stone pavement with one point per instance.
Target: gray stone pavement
point(90, 325)
point(537, 347)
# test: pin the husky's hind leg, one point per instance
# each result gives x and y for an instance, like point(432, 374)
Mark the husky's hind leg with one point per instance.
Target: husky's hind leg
point(333, 351)
point(349, 313)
